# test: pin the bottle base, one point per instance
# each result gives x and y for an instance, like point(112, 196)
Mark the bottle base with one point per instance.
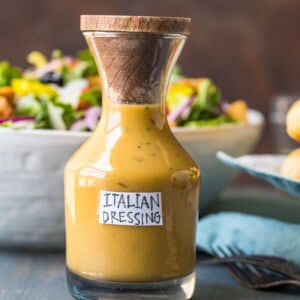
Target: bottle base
point(88, 289)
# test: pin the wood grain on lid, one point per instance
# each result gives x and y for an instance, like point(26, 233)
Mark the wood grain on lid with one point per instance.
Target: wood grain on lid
point(175, 25)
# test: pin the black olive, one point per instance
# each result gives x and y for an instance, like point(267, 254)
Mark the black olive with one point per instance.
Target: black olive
point(52, 77)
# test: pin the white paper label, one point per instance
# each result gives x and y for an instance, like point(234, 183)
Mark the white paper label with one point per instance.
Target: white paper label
point(133, 209)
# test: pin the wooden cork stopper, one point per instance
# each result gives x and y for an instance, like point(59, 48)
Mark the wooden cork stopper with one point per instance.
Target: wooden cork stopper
point(175, 25)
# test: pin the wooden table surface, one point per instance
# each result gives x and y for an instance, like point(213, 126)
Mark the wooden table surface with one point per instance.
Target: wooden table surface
point(41, 276)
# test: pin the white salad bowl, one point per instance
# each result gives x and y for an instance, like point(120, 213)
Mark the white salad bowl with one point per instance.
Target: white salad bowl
point(31, 172)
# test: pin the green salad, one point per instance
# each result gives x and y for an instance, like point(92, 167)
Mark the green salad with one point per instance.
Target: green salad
point(64, 93)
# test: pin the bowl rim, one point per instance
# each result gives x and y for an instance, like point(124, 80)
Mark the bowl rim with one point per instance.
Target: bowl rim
point(256, 120)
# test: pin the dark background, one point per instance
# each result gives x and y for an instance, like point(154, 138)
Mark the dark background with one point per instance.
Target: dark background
point(251, 48)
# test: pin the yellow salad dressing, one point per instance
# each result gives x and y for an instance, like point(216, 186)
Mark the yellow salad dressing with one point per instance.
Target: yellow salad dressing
point(132, 150)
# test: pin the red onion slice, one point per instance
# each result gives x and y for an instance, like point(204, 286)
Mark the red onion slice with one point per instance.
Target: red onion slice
point(92, 116)
point(179, 112)
point(79, 126)
point(17, 119)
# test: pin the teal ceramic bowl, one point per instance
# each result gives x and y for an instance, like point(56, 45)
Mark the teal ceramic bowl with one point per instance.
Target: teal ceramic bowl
point(265, 167)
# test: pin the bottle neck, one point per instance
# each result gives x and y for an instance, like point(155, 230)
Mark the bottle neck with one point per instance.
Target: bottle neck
point(134, 67)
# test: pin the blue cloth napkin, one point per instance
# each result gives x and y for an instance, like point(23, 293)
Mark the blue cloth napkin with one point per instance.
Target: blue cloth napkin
point(251, 234)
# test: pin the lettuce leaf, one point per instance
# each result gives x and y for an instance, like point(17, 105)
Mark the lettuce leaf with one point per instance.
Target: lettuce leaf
point(206, 104)
point(48, 111)
point(90, 65)
point(222, 119)
point(29, 105)
point(8, 73)
point(61, 115)
point(92, 96)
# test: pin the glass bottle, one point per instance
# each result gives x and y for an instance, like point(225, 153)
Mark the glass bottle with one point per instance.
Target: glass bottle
point(131, 191)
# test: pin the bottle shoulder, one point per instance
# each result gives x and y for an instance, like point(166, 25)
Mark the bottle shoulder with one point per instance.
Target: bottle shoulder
point(155, 152)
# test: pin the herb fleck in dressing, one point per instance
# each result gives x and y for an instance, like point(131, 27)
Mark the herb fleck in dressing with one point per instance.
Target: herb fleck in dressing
point(163, 237)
